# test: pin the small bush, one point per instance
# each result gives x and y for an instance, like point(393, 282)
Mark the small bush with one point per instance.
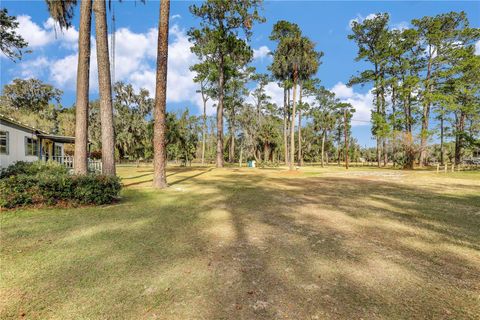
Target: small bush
point(96, 189)
point(17, 190)
point(37, 184)
point(33, 168)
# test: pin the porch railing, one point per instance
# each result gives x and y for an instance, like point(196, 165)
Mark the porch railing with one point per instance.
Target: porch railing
point(68, 161)
point(95, 165)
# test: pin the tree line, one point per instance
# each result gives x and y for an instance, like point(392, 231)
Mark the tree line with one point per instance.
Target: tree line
point(428, 71)
point(419, 74)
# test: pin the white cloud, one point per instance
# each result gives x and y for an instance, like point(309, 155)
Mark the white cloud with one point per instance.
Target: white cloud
point(261, 52)
point(401, 26)
point(371, 16)
point(34, 68)
point(63, 72)
point(68, 38)
point(180, 85)
point(359, 18)
point(275, 92)
point(39, 36)
point(144, 79)
point(477, 48)
point(175, 16)
point(35, 35)
point(137, 67)
point(128, 61)
point(342, 91)
point(362, 102)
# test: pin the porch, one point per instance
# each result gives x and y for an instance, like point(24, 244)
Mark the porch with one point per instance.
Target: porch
point(68, 161)
point(52, 148)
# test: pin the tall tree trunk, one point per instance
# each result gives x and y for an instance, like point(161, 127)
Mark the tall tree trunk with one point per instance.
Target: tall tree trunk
point(339, 138)
point(425, 116)
point(385, 152)
point(204, 129)
point(394, 110)
point(231, 150)
point(379, 151)
point(384, 115)
point(300, 157)
point(460, 127)
point(410, 155)
point(160, 124)
point(241, 155)
point(83, 74)
point(323, 147)
point(266, 152)
point(221, 81)
point(289, 124)
point(346, 137)
point(105, 88)
point(441, 139)
point(378, 108)
point(292, 122)
point(285, 140)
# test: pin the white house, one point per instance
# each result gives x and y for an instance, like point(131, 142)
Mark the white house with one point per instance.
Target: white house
point(20, 142)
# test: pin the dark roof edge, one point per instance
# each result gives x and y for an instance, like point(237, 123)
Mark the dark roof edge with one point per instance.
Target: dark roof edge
point(21, 124)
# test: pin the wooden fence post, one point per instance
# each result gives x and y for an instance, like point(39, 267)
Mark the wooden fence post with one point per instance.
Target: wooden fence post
point(438, 167)
point(446, 167)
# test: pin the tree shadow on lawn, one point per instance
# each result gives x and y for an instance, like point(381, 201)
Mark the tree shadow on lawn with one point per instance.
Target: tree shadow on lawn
point(253, 247)
point(139, 176)
point(111, 259)
point(357, 264)
point(136, 183)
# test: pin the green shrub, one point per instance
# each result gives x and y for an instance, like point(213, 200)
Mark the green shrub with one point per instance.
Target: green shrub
point(33, 168)
point(17, 191)
point(96, 189)
point(37, 184)
point(54, 188)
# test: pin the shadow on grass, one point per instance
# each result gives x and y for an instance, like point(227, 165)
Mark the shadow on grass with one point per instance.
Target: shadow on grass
point(139, 176)
point(136, 183)
point(249, 246)
point(190, 177)
point(421, 256)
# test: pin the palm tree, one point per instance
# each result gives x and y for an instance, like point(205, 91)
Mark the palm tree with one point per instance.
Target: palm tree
point(62, 12)
point(105, 88)
point(159, 133)
point(307, 68)
point(295, 47)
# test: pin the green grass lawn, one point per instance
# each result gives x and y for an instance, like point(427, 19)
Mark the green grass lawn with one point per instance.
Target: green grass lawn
point(252, 244)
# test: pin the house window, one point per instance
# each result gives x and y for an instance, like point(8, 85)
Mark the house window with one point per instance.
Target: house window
point(3, 142)
point(58, 151)
point(31, 147)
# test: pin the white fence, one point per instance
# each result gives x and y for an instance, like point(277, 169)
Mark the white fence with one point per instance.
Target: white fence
point(68, 161)
point(95, 165)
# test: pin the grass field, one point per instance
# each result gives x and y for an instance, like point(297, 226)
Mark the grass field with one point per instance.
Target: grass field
point(252, 244)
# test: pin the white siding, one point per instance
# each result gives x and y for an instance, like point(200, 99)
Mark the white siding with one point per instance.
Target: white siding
point(16, 146)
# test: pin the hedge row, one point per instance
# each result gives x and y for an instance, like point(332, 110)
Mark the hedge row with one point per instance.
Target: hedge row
point(48, 184)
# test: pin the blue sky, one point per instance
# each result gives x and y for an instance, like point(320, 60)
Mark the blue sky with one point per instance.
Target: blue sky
point(53, 57)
